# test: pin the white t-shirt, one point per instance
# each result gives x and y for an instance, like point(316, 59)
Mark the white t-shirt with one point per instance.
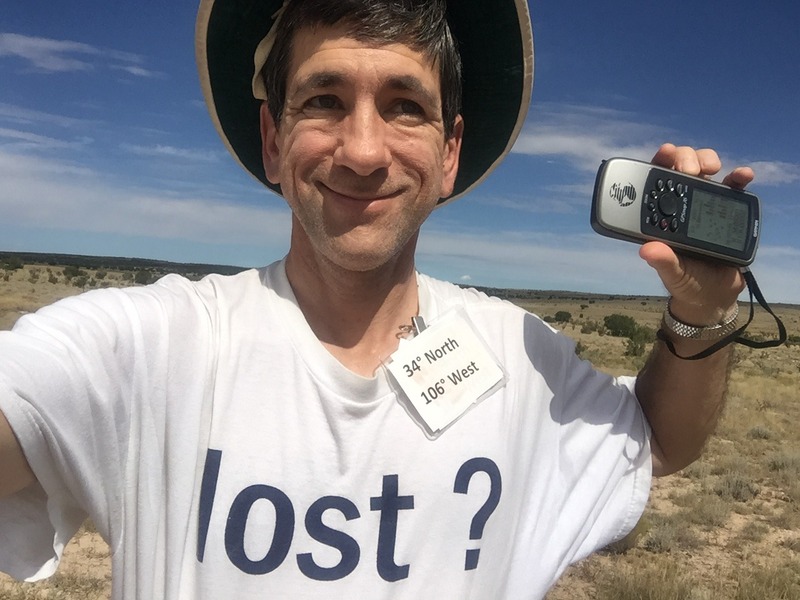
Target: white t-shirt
point(224, 453)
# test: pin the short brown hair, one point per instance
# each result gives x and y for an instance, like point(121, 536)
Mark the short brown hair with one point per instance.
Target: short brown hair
point(420, 24)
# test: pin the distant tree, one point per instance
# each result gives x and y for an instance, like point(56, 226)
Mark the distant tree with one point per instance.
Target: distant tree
point(620, 325)
point(563, 316)
point(142, 277)
point(71, 271)
point(12, 263)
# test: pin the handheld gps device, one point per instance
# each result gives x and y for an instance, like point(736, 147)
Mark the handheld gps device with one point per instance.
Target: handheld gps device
point(640, 202)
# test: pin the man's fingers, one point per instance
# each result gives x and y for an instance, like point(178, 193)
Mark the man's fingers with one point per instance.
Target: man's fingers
point(665, 157)
point(739, 177)
point(709, 161)
point(699, 163)
point(665, 262)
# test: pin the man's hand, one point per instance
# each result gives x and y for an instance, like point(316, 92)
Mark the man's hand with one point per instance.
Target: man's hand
point(703, 292)
point(683, 399)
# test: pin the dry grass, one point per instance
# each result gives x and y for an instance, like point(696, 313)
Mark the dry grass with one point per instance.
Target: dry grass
point(85, 573)
point(724, 528)
point(727, 526)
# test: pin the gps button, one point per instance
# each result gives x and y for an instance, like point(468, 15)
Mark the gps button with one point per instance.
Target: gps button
point(668, 204)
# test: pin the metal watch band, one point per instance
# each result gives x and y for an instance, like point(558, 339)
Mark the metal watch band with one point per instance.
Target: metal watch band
point(711, 332)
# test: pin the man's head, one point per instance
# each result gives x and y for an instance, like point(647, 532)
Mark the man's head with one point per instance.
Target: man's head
point(419, 24)
point(494, 40)
point(360, 152)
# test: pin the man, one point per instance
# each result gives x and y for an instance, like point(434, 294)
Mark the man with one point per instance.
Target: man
point(244, 436)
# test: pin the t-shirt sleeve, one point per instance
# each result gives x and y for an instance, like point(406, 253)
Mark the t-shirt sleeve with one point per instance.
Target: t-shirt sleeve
point(75, 379)
point(602, 470)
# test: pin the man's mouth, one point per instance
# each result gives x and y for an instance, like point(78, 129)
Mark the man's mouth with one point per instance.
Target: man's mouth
point(359, 195)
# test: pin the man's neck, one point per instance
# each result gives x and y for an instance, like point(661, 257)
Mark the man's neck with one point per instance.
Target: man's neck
point(357, 316)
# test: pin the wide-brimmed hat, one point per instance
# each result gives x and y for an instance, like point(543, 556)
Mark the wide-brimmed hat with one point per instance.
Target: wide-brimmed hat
point(496, 45)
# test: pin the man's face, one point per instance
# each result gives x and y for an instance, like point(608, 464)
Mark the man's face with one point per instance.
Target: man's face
point(360, 151)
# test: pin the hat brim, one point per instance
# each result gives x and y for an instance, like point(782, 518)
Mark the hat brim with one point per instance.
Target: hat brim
point(496, 45)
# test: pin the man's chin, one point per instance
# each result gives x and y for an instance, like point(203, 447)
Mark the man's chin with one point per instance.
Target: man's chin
point(368, 258)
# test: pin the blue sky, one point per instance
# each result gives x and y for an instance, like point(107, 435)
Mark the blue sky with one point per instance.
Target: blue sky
point(106, 147)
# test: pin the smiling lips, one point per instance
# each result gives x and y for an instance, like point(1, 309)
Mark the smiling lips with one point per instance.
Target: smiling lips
point(359, 195)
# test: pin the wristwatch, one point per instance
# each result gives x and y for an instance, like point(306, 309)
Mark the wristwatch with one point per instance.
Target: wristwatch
point(711, 332)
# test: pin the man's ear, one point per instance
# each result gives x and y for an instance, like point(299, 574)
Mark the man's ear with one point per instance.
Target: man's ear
point(452, 151)
point(270, 154)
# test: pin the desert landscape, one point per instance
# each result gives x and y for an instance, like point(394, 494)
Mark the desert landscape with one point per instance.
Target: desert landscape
point(727, 527)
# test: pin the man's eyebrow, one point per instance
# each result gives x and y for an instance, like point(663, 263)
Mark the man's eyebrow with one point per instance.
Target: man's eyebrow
point(320, 80)
point(409, 83)
point(401, 83)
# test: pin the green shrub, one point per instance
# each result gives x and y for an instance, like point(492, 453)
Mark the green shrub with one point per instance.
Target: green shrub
point(634, 347)
point(620, 325)
point(736, 487)
point(11, 263)
point(71, 271)
point(759, 432)
point(143, 277)
point(590, 327)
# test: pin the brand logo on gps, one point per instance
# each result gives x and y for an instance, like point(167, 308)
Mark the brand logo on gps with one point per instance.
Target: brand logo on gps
point(624, 194)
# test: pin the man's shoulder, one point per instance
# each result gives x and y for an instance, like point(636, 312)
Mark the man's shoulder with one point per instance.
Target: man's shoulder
point(451, 293)
point(173, 296)
point(211, 287)
point(496, 314)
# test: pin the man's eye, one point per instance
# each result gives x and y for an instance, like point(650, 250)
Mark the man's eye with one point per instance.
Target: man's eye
point(408, 107)
point(326, 102)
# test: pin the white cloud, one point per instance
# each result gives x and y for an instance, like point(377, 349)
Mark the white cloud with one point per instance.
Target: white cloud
point(139, 71)
point(580, 262)
point(54, 56)
point(47, 54)
point(576, 262)
point(161, 150)
point(775, 172)
point(585, 135)
point(57, 194)
point(28, 140)
point(550, 199)
point(26, 116)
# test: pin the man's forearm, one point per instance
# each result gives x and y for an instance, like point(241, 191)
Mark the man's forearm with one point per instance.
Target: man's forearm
point(682, 399)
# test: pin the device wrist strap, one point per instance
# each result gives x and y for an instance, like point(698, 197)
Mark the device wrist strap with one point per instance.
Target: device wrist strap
point(737, 335)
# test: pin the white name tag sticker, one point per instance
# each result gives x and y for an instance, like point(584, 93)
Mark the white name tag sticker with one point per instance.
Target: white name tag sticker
point(444, 370)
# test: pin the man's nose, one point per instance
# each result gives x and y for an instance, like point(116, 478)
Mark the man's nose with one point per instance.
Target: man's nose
point(363, 145)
